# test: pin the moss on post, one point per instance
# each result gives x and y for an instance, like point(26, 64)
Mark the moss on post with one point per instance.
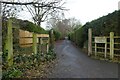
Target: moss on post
point(10, 43)
point(35, 43)
point(111, 45)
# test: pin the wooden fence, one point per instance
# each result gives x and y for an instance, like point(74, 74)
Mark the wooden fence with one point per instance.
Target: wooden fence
point(25, 39)
point(105, 46)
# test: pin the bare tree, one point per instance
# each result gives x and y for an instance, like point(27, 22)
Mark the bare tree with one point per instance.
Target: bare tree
point(39, 9)
point(65, 26)
point(10, 10)
point(55, 18)
point(42, 11)
point(74, 23)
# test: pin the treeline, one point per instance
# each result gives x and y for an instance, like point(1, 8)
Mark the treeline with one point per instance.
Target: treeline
point(100, 27)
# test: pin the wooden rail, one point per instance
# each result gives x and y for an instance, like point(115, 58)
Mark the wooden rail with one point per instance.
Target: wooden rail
point(108, 49)
point(26, 38)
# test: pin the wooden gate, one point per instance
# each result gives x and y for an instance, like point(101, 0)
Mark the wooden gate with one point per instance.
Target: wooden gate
point(107, 47)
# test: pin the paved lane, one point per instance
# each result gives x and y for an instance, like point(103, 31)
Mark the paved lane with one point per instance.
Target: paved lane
point(74, 64)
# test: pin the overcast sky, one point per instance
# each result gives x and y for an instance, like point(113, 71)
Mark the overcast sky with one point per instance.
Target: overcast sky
point(87, 10)
point(84, 10)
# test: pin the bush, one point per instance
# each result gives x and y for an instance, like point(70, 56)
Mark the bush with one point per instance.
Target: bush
point(57, 35)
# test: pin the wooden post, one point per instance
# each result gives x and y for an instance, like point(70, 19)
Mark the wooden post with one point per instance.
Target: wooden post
point(39, 49)
point(41, 43)
point(1, 58)
point(95, 49)
point(89, 42)
point(0, 27)
point(105, 50)
point(0, 40)
point(10, 43)
point(52, 39)
point(48, 45)
point(41, 40)
point(35, 43)
point(47, 48)
point(111, 45)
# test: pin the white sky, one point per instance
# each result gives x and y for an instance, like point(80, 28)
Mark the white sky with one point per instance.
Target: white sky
point(84, 10)
point(87, 10)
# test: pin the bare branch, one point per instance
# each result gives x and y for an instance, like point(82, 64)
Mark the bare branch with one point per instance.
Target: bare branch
point(17, 3)
point(40, 9)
